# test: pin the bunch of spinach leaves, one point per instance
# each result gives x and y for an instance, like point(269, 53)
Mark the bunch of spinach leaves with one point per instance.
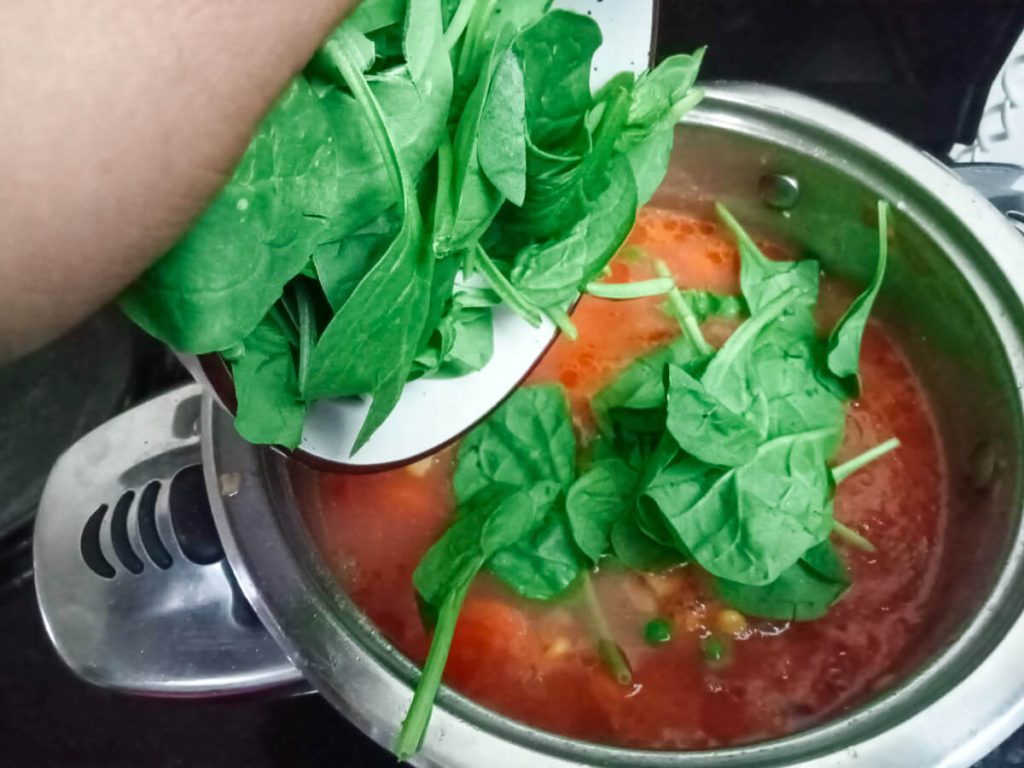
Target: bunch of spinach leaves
point(719, 457)
point(426, 139)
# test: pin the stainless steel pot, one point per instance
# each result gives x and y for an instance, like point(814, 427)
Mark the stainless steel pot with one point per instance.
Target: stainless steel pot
point(794, 168)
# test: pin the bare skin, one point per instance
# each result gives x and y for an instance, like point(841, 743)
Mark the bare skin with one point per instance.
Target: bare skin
point(121, 120)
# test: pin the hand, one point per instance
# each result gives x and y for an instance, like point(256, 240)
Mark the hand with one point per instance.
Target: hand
point(121, 120)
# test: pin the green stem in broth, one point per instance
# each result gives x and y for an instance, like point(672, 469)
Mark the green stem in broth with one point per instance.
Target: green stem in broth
point(410, 737)
point(683, 312)
point(857, 463)
point(849, 536)
point(625, 291)
point(845, 533)
point(608, 650)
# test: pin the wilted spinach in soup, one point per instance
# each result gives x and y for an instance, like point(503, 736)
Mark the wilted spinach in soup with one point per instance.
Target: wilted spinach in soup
point(683, 533)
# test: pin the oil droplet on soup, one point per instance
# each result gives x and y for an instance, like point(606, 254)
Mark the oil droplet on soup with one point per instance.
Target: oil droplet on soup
point(537, 664)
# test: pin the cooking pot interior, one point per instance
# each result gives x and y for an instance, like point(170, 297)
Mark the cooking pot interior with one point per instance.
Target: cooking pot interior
point(946, 301)
point(943, 299)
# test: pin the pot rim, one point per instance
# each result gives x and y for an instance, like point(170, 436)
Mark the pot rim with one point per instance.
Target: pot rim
point(924, 721)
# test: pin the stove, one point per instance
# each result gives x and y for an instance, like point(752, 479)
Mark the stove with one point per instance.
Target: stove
point(922, 68)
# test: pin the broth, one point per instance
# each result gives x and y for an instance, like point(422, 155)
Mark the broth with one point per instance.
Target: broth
point(536, 662)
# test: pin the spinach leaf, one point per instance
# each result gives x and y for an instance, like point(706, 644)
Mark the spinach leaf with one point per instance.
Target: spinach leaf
point(501, 147)
point(528, 439)
point(750, 523)
point(371, 15)
point(596, 501)
point(469, 541)
point(270, 409)
point(635, 548)
point(786, 373)
point(762, 280)
point(476, 199)
point(731, 375)
point(660, 99)
point(706, 305)
point(552, 273)
point(493, 21)
point(556, 54)
point(212, 289)
point(704, 426)
point(641, 387)
point(543, 564)
point(804, 592)
point(464, 339)
point(844, 343)
point(341, 265)
point(372, 341)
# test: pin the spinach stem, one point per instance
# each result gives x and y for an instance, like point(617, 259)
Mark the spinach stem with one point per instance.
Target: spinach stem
point(442, 236)
point(307, 331)
point(562, 321)
point(286, 326)
point(459, 21)
point(624, 291)
point(851, 537)
point(843, 471)
point(683, 312)
point(505, 290)
point(410, 737)
point(608, 650)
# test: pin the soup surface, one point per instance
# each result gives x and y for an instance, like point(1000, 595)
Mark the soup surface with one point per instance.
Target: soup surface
point(537, 663)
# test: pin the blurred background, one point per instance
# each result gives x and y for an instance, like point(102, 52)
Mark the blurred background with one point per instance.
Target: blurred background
point(944, 75)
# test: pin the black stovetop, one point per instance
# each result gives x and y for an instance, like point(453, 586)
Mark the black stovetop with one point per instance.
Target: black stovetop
point(920, 67)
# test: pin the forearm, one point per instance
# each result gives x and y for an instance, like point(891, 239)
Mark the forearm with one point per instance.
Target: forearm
point(120, 120)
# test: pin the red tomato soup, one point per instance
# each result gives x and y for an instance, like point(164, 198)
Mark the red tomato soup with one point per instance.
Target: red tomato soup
point(536, 662)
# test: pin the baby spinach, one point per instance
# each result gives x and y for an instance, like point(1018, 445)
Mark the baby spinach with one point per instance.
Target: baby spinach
point(704, 426)
point(553, 272)
point(752, 522)
point(379, 164)
point(844, 343)
point(270, 407)
point(596, 501)
point(804, 592)
point(501, 146)
point(384, 316)
point(212, 289)
point(527, 440)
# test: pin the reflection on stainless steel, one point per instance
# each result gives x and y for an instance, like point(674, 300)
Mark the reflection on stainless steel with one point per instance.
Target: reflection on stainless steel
point(132, 599)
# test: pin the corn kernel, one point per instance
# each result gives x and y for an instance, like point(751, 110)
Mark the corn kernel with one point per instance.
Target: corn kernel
point(730, 622)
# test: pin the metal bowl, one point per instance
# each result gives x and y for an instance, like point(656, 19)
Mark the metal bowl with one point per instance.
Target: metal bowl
point(797, 170)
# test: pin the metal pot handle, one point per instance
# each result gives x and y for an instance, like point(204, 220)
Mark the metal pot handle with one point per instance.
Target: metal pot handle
point(998, 183)
point(131, 577)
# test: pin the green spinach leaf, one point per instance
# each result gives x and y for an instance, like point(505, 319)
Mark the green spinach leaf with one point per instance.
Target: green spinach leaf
point(596, 501)
point(528, 439)
point(844, 343)
point(804, 592)
point(270, 409)
point(750, 523)
point(704, 426)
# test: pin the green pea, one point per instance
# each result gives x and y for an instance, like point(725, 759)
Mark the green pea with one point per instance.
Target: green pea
point(658, 631)
point(713, 649)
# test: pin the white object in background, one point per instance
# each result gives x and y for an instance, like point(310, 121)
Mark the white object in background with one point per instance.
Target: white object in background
point(432, 412)
point(1001, 131)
